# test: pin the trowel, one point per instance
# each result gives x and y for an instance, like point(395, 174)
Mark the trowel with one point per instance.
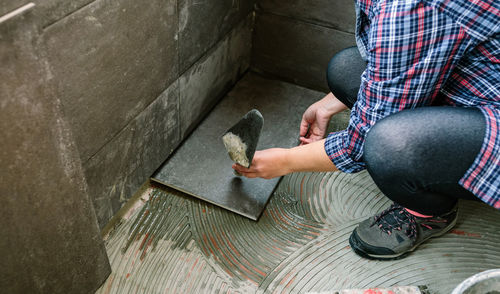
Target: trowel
point(241, 139)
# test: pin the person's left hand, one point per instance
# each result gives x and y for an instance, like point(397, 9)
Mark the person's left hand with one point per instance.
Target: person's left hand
point(267, 164)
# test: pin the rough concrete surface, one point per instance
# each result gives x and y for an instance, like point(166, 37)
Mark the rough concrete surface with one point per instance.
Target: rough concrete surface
point(296, 51)
point(129, 159)
point(51, 11)
point(203, 23)
point(177, 244)
point(213, 75)
point(9, 5)
point(50, 242)
point(108, 61)
point(201, 166)
point(338, 14)
point(47, 11)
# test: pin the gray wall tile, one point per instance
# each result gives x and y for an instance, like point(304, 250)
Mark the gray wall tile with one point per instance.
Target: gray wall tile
point(127, 161)
point(337, 14)
point(50, 242)
point(296, 51)
point(51, 11)
point(203, 23)
point(47, 11)
point(103, 210)
point(109, 61)
point(204, 83)
point(7, 6)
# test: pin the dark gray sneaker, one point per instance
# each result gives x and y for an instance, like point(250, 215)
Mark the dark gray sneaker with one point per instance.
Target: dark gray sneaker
point(395, 232)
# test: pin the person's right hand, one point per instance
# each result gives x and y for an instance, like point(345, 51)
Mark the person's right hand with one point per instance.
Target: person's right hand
point(316, 117)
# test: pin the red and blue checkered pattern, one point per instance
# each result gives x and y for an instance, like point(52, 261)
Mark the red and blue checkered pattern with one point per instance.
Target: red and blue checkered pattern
point(416, 50)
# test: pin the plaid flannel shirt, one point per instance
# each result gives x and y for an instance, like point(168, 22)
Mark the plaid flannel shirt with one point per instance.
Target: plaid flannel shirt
point(415, 50)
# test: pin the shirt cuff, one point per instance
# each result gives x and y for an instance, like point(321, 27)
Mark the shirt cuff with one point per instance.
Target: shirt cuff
point(339, 154)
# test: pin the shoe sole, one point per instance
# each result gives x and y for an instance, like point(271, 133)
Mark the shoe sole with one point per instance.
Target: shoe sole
point(355, 243)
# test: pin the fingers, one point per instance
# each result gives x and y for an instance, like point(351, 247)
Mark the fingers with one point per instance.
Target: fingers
point(312, 138)
point(239, 168)
point(304, 126)
point(304, 141)
point(249, 172)
point(246, 172)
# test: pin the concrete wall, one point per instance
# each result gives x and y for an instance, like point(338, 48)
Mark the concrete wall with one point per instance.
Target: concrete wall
point(294, 40)
point(135, 77)
point(50, 241)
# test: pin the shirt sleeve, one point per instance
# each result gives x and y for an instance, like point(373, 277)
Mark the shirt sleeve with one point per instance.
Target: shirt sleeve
point(412, 48)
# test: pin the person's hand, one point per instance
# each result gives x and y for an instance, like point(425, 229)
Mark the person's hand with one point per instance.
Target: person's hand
point(267, 164)
point(316, 117)
point(277, 162)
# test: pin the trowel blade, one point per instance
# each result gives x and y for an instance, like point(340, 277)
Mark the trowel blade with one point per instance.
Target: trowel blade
point(241, 139)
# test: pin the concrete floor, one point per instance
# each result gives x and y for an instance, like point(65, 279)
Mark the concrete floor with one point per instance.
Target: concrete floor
point(172, 243)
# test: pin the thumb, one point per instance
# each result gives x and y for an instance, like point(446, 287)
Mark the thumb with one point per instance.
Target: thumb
point(304, 126)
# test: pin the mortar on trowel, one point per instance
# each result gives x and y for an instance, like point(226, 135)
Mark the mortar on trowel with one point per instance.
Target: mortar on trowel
point(242, 138)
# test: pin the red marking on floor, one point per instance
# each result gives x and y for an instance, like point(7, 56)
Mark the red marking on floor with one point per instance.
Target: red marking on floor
point(192, 268)
point(235, 251)
point(286, 277)
point(239, 255)
point(372, 291)
point(209, 249)
point(128, 275)
point(110, 283)
point(280, 215)
point(144, 241)
point(289, 284)
point(275, 218)
point(146, 249)
point(234, 261)
point(464, 233)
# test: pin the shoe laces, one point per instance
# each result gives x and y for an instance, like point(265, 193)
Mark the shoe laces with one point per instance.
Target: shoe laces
point(394, 218)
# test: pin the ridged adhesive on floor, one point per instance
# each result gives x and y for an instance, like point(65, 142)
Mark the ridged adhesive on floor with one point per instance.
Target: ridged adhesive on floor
point(178, 244)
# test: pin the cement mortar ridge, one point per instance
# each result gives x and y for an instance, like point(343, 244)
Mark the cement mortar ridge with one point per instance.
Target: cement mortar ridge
point(176, 243)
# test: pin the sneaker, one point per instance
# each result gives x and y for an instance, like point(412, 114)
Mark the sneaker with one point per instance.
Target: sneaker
point(395, 232)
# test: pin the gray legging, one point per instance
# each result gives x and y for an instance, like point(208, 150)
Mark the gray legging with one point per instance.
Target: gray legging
point(416, 156)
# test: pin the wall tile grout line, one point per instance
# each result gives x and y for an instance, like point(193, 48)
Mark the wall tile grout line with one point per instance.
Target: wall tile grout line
point(207, 53)
point(213, 47)
point(128, 124)
point(300, 20)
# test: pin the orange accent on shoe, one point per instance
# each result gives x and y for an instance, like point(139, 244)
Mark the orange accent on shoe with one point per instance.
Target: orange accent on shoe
point(418, 214)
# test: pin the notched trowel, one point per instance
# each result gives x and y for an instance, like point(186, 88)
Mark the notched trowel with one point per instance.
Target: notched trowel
point(242, 138)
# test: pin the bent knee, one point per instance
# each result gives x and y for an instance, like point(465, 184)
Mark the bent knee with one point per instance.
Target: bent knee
point(344, 75)
point(390, 146)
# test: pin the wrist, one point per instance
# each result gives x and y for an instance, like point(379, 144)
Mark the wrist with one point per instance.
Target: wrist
point(310, 157)
point(332, 105)
point(288, 161)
